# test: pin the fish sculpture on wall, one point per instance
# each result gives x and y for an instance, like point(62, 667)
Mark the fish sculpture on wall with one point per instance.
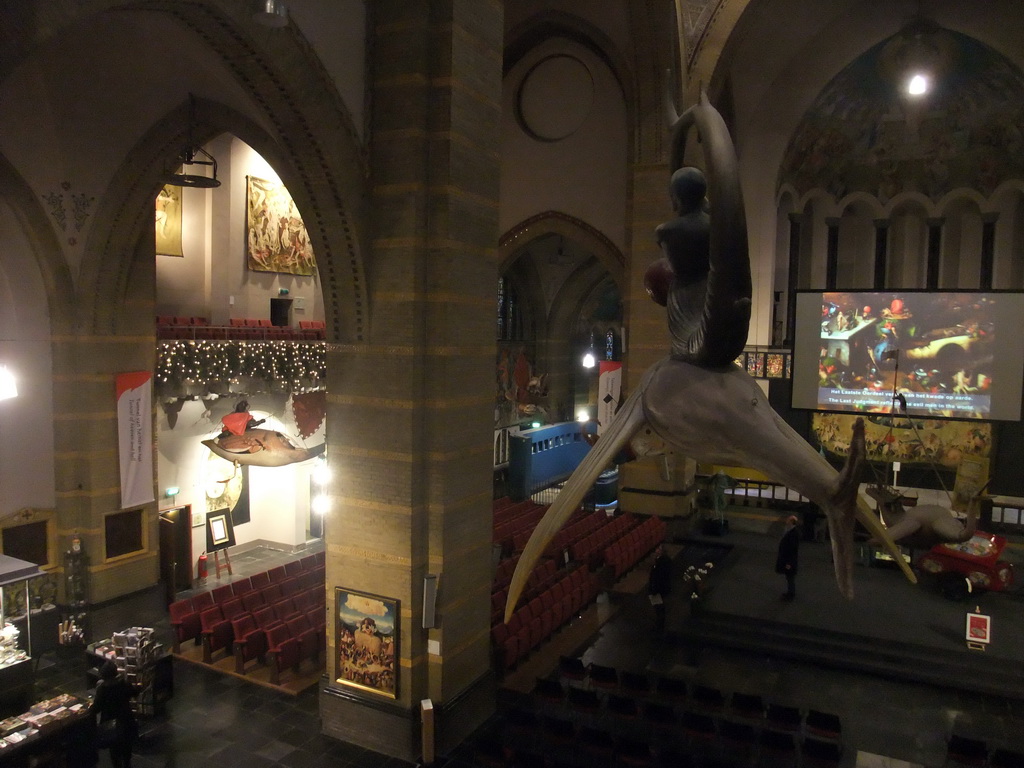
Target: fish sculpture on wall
point(696, 401)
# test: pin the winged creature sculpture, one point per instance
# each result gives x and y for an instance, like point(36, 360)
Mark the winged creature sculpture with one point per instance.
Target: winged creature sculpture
point(696, 401)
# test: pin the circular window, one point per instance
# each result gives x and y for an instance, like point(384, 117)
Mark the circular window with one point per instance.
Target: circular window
point(555, 97)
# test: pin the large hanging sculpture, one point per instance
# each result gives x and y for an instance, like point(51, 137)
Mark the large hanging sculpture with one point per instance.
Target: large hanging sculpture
point(696, 401)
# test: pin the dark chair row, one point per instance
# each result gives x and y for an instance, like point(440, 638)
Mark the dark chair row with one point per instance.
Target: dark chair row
point(535, 621)
point(747, 707)
point(590, 549)
point(544, 574)
point(622, 555)
point(580, 525)
point(655, 734)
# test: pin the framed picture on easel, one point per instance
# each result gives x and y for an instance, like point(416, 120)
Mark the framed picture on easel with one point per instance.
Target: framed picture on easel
point(220, 533)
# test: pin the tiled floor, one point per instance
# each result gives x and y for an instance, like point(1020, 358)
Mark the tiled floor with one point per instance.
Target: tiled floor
point(216, 720)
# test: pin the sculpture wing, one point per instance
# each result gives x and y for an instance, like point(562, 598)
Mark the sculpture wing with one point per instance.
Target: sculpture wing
point(627, 421)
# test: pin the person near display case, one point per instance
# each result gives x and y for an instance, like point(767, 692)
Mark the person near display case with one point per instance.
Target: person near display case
point(116, 727)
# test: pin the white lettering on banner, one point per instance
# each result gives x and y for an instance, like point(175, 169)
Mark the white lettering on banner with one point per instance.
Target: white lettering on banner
point(134, 395)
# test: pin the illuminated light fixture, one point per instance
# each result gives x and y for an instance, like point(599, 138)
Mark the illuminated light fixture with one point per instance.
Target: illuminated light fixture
point(190, 162)
point(271, 13)
point(535, 425)
point(589, 361)
point(582, 416)
point(8, 384)
point(321, 505)
point(917, 85)
point(172, 491)
point(321, 473)
point(215, 489)
point(918, 57)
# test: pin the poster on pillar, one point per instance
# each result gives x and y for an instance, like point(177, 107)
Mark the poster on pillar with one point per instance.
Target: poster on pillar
point(609, 392)
point(135, 437)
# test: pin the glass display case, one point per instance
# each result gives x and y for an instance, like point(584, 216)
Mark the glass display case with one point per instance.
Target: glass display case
point(15, 631)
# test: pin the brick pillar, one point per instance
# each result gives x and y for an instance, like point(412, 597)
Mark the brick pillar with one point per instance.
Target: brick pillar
point(411, 410)
point(86, 459)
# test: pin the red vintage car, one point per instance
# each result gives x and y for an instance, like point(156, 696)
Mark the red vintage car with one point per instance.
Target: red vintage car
point(969, 566)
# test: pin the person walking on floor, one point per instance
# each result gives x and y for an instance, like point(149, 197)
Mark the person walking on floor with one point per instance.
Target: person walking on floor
point(659, 584)
point(789, 553)
point(116, 727)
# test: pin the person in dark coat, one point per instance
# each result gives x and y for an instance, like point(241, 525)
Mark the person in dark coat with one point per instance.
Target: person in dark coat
point(116, 727)
point(789, 553)
point(659, 584)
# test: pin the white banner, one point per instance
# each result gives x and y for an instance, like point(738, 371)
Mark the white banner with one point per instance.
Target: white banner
point(609, 389)
point(135, 437)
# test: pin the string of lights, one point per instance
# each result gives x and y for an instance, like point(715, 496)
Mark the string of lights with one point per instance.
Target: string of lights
point(187, 367)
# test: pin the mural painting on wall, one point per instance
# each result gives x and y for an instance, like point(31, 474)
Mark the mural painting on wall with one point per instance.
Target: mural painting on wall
point(367, 641)
point(168, 221)
point(862, 135)
point(276, 238)
point(241, 441)
point(944, 442)
point(521, 393)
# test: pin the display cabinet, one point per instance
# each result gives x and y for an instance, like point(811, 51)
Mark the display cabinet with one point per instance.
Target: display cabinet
point(15, 631)
point(74, 623)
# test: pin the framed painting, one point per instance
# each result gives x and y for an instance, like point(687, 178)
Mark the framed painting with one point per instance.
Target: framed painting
point(979, 628)
point(774, 365)
point(275, 237)
point(168, 221)
point(220, 533)
point(366, 639)
point(755, 364)
point(197, 518)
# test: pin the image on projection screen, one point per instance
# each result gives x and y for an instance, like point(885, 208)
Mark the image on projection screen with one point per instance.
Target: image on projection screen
point(953, 355)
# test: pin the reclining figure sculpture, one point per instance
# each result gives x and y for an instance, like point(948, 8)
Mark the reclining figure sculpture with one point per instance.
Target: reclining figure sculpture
point(696, 401)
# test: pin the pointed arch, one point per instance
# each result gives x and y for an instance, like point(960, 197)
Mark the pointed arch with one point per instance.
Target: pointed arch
point(555, 222)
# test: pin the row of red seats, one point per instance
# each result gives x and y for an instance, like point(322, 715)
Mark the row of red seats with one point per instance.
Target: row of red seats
point(580, 525)
point(244, 333)
point(638, 542)
point(180, 320)
point(282, 634)
point(591, 547)
point(506, 533)
point(296, 576)
point(535, 621)
point(544, 574)
point(509, 512)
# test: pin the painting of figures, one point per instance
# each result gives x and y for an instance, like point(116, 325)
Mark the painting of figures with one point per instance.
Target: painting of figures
point(276, 239)
point(367, 641)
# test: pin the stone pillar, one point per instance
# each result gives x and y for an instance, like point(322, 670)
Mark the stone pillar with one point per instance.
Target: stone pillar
point(411, 408)
point(793, 277)
point(934, 256)
point(988, 250)
point(832, 253)
point(881, 253)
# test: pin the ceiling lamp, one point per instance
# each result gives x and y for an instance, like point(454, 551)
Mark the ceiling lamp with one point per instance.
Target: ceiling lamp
point(8, 385)
point(271, 13)
point(190, 163)
point(918, 57)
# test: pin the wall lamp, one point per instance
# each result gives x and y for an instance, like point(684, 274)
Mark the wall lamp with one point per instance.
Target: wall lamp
point(8, 384)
